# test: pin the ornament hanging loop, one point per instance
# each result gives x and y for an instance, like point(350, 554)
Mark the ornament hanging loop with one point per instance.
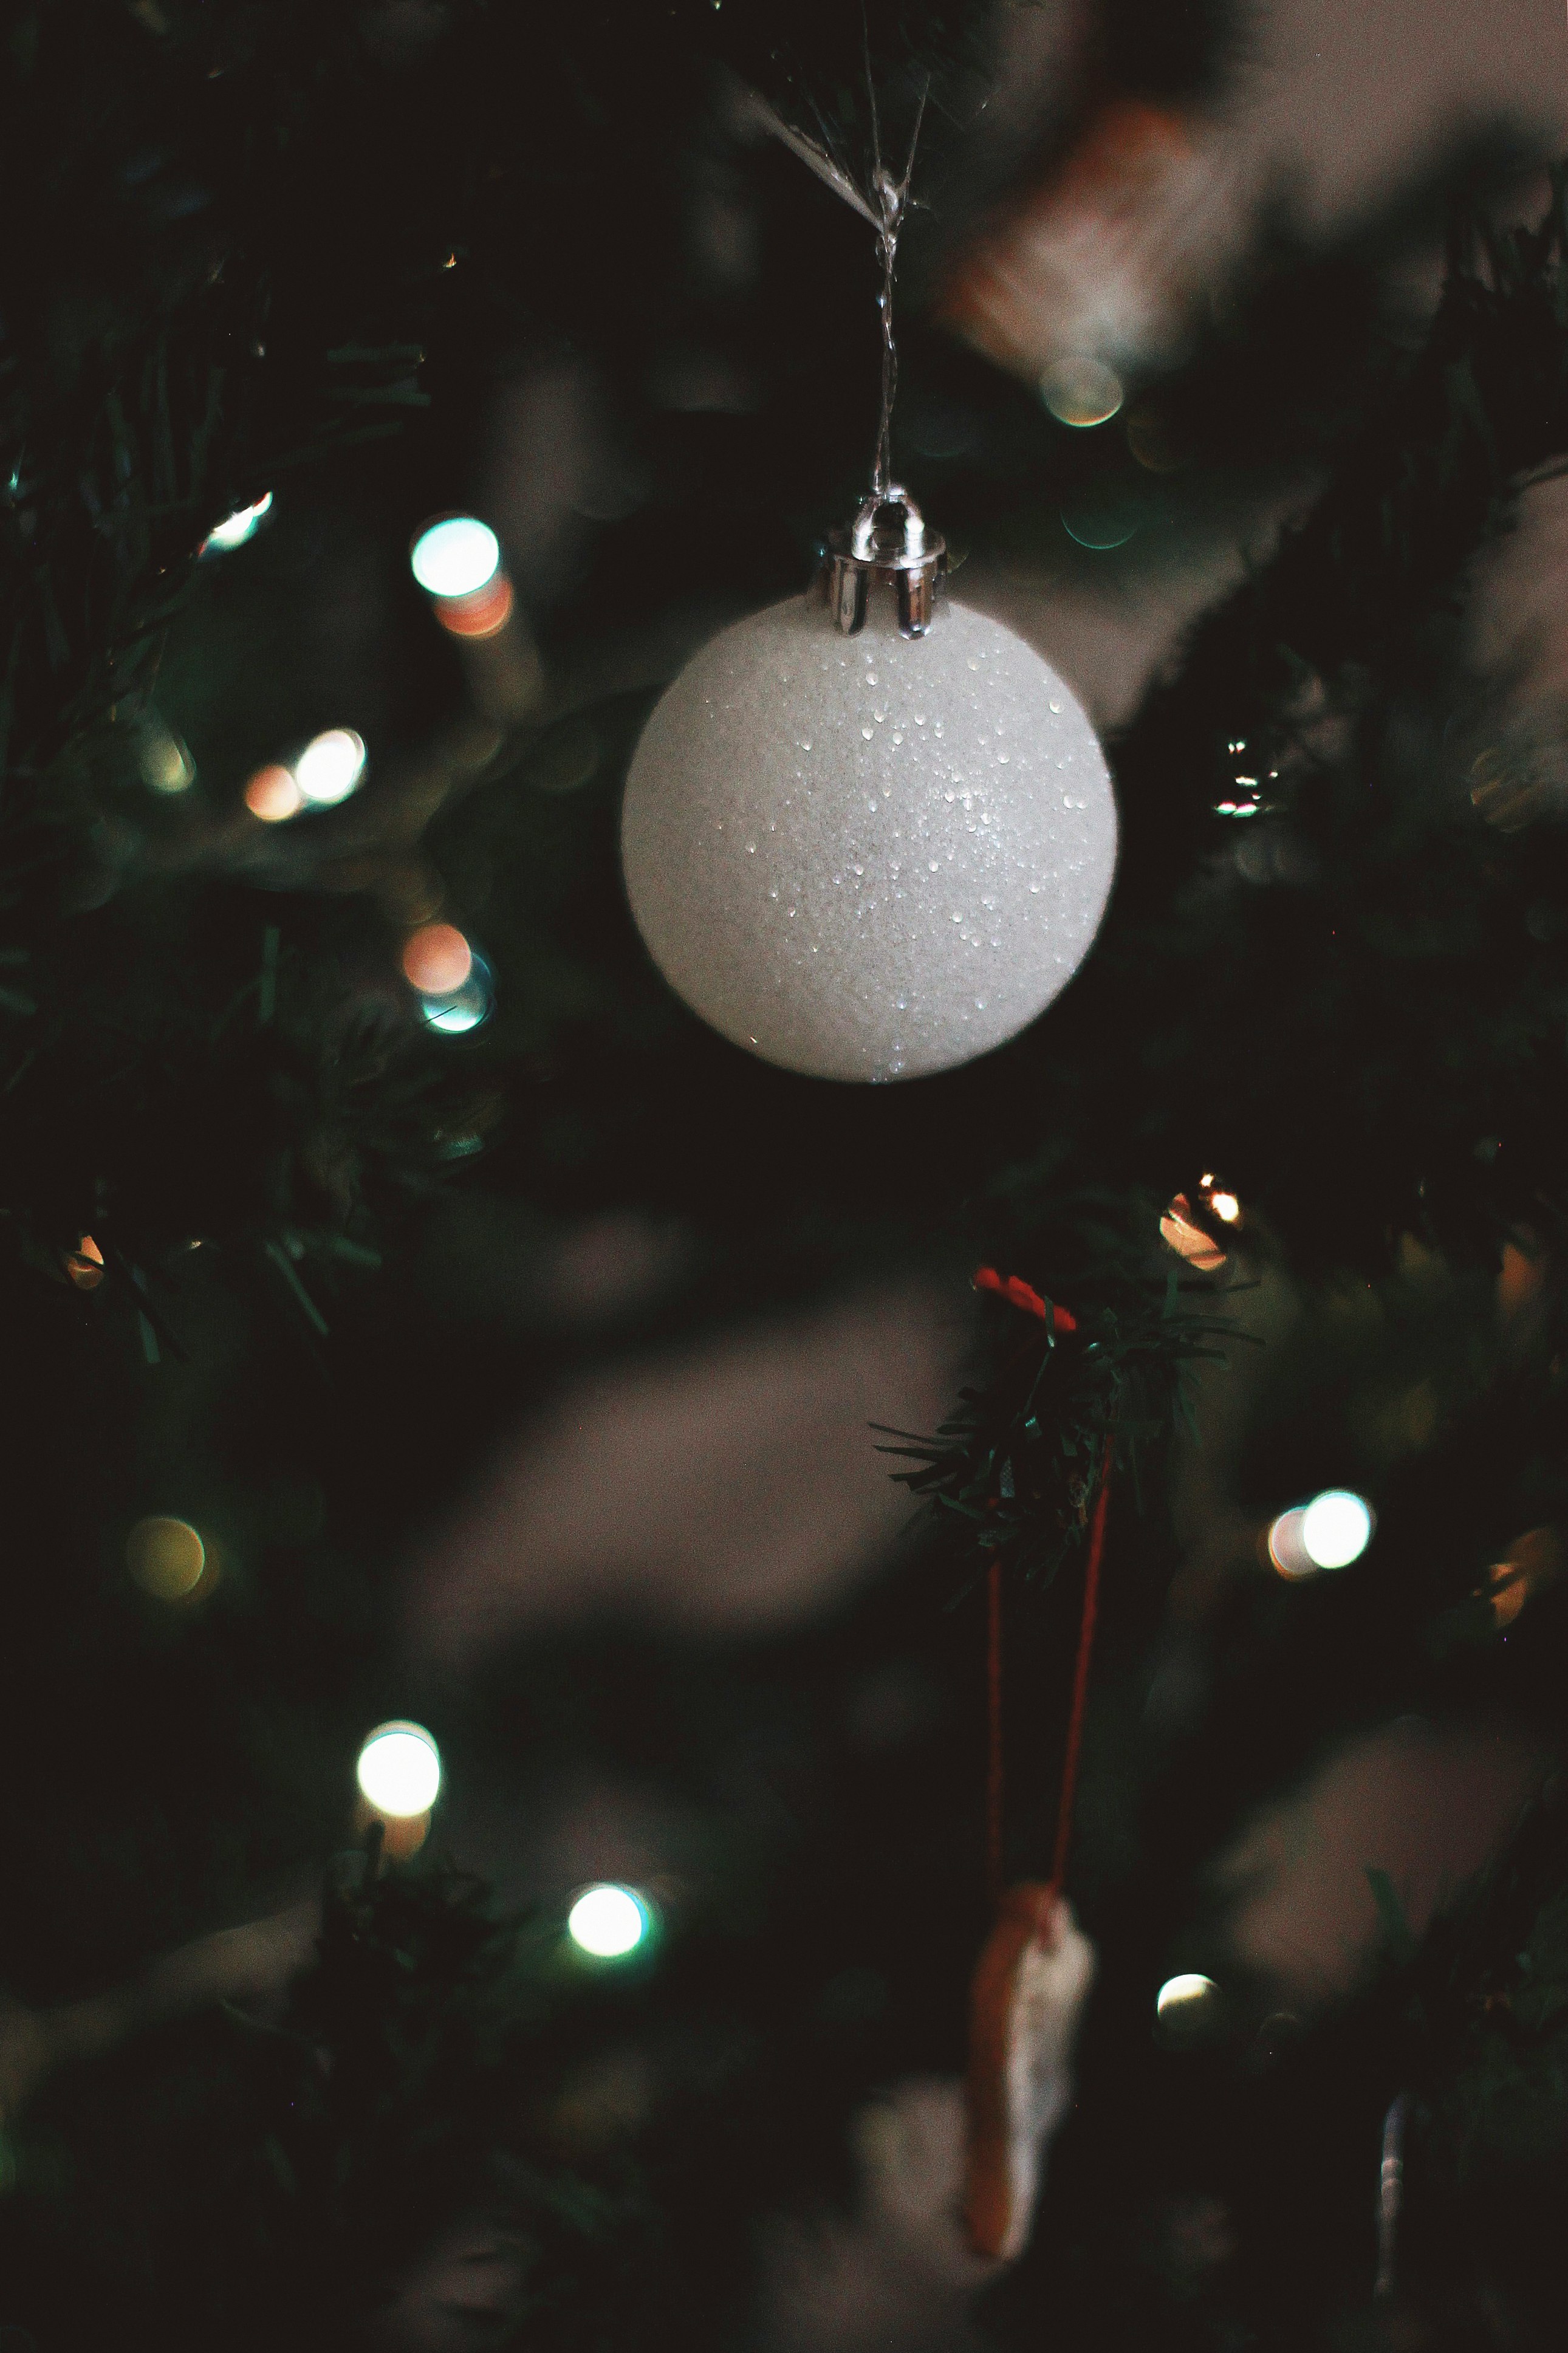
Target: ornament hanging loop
point(888, 544)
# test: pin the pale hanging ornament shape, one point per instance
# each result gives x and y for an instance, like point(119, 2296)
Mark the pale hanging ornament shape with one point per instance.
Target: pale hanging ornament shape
point(871, 856)
point(875, 841)
point(1029, 1992)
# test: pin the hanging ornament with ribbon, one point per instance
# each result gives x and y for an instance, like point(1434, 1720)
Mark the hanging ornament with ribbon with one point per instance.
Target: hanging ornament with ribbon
point(1036, 1967)
point(869, 833)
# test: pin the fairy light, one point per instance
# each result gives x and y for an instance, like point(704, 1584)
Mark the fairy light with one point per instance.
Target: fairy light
point(1081, 391)
point(608, 1921)
point(1185, 2008)
point(166, 1557)
point(1178, 1993)
point(399, 1771)
point(455, 1011)
point(273, 794)
point(166, 764)
point(1336, 1527)
point(1331, 1532)
point(84, 1265)
point(437, 960)
point(236, 528)
point(1180, 1230)
point(456, 562)
point(329, 767)
point(455, 556)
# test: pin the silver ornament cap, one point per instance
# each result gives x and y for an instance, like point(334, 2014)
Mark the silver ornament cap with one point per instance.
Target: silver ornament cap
point(886, 546)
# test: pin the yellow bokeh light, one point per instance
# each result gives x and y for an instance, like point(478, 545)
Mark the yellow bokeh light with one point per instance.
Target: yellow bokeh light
point(166, 1557)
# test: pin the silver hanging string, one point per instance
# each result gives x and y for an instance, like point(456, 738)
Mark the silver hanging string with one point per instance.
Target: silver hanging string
point(884, 205)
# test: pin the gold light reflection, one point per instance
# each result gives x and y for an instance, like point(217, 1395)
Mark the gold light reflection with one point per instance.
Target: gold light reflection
point(166, 1557)
point(436, 959)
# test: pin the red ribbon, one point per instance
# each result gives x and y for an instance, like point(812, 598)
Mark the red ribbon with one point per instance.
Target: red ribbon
point(1019, 1293)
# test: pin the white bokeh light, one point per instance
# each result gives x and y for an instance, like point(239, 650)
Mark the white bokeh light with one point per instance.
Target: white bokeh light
point(400, 1771)
point(1336, 1528)
point(463, 1009)
point(236, 528)
point(330, 767)
point(455, 556)
point(608, 1921)
point(1180, 1997)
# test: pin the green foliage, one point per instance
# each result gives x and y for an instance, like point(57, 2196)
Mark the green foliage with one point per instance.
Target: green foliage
point(1020, 1461)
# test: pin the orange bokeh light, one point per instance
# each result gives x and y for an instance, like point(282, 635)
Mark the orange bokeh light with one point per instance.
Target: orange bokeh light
point(1188, 1239)
point(84, 1265)
point(482, 615)
point(436, 959)
point(273, 795)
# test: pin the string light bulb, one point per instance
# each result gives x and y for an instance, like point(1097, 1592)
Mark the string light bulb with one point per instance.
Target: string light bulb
point(236, 528)
point(436, 959)
point(608, 1921)
point(456, 562)
point(273, 794)
point(1081, 391)
point(455, 1011)
point(399, 1771)
point(329, 767)
point(1331, 1532)
point(84, 1265)
point(1181, 1231)
point(166, 1557)
point(1185, 2007)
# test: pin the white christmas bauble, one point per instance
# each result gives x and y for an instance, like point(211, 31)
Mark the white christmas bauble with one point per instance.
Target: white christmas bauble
point(869, 857)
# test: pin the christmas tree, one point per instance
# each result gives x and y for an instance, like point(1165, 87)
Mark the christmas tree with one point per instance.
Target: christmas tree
point(559, 1569)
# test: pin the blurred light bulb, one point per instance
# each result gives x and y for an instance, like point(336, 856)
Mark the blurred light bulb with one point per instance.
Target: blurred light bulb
point(608, 1921)
point(455, 556)
point(166, 1556)
point(1179, 1993)
point(1187, 1239)
point(84, 1265)
point(436, 959)
point(166, 764)
point(1329, 1532)
point(330, 767)
point(1187, 2010)
point(1336, 1528)
point(483, 615)
point(452, 1011)
point(273, 794)
point(1081, 391)
point(399, 1771)
point(1226, 1206)
point(236, 528)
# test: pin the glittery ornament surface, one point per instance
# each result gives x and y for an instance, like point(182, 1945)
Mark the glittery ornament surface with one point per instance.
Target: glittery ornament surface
point(869, 857)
